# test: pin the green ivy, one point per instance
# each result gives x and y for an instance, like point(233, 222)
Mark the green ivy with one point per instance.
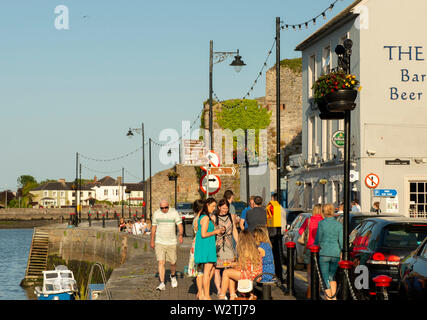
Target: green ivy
point(243, 114)
point(294, 64)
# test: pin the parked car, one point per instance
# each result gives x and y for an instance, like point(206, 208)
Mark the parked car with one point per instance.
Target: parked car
point(239, 206)
point(291, 214)
point(357, 217)
point(413, 274)
point(292, 234)
point(185, 209)
point(381, 243)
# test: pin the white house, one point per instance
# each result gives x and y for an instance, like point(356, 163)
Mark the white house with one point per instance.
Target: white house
point(389, 124)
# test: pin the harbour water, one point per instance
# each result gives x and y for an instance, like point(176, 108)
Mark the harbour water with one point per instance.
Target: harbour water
point(14, 249)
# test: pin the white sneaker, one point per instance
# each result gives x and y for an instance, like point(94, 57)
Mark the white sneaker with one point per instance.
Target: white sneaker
point(161, 286)
point(174, 282)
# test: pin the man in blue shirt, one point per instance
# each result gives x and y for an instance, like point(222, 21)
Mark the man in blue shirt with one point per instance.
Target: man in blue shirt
point(243, 223)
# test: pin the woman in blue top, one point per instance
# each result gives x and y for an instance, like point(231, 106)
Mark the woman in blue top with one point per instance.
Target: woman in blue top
point(265, 249)
point(329, 237)
point(205, 246)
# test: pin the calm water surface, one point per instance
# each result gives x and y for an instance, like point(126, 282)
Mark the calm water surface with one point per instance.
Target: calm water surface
point(14, 249)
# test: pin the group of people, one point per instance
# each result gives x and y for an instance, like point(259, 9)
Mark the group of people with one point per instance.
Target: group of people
point(220, 248)
point(223, 249)
point(135, 227)
point(323, 230)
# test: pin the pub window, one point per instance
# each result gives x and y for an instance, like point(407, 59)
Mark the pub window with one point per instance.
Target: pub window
point(418, 199)
point(311, 74)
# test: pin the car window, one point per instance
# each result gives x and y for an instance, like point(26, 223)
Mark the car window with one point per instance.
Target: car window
point(184, 206)
point(423, 253)
point(297, 222)
point(362, 235)
point(404, 235)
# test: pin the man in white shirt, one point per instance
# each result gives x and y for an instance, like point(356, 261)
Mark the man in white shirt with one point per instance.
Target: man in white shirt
point(163, 240)
point(136, 228)
point(355, 206)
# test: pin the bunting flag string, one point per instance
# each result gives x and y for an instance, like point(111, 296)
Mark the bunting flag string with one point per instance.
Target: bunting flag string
point(312, 20)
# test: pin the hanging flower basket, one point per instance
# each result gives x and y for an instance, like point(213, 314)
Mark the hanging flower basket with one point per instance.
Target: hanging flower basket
point(341, 100)
point(322, 105)
point(338, 89)
point(172, 175)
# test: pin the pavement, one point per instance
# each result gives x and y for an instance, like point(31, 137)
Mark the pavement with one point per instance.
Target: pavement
point(137, 278)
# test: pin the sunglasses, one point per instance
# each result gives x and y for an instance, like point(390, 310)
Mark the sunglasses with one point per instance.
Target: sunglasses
point(164, 208)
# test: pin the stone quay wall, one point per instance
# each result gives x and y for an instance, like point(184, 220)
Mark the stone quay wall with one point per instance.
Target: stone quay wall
point(108, 246)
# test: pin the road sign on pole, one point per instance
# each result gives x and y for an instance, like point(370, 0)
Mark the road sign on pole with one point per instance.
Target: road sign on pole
point(223, 171)
point(213, 183)
point(372, 181)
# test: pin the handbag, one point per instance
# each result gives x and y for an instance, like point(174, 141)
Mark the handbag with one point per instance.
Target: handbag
point(304, 237)
point(191, 268)
point(244, 285)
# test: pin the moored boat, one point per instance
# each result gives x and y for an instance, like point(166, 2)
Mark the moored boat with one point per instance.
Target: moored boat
point(58, 284)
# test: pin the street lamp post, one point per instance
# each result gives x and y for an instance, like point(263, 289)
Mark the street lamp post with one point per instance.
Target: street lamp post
point(175, 177)
point(149, 151)
point(344, 53)
point(219, 56)
point(122, 194)
point(277, 235)
point(130, 135)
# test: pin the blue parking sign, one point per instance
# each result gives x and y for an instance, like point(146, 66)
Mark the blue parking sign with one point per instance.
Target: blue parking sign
point(385, 192)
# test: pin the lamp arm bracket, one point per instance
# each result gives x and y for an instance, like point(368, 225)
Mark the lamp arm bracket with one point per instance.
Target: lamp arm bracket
point(221, 56)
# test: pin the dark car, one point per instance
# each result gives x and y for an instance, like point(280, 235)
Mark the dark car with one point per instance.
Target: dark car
point(413, 274)
point(239, 206)
point(381, 243)
point(292, 234)
point(356, 218)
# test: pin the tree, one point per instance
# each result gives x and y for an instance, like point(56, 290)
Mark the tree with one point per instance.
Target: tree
point(25, 179)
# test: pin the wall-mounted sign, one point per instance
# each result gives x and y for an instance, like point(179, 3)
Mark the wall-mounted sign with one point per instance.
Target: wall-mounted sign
point(385, 192)
point(354, 175)
point(338, 139)
point(372, 181)
point(398, 162)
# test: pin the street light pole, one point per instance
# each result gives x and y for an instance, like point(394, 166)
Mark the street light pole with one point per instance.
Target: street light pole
point(130, 134)
point(151, 190)
point(237, 64)
point(143, 170)
point(344, 54)
point(277, 243)
point(122, 193)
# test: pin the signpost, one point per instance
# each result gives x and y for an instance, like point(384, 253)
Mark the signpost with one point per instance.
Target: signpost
point(194, 152)
point(223, 171)
point(372, 181)
point(213, 183)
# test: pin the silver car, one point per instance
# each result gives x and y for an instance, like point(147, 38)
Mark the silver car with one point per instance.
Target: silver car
point(292, 235)
point(185, 209)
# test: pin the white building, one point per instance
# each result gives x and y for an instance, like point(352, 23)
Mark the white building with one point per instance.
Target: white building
point(112, 190)
point(390, 120)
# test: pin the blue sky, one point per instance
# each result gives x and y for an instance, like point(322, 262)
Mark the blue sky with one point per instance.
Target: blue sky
point(121, 63)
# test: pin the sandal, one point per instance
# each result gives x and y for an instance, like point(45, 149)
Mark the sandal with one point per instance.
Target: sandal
point(233, 296)
point(222, 297)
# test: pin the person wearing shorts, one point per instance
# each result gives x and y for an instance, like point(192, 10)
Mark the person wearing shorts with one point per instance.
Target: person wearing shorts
point(163, 240)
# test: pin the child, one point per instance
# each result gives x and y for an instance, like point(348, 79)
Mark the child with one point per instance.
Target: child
point(248, 265)
point(264, 246)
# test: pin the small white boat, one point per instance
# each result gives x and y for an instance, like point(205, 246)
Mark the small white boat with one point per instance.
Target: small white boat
point(58, 284)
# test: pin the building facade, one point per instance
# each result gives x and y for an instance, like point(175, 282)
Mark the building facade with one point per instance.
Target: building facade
point(389, 123)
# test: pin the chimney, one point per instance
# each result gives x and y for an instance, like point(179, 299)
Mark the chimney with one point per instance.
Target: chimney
point(95, 179)
point(62, 181)
point(119, 181)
